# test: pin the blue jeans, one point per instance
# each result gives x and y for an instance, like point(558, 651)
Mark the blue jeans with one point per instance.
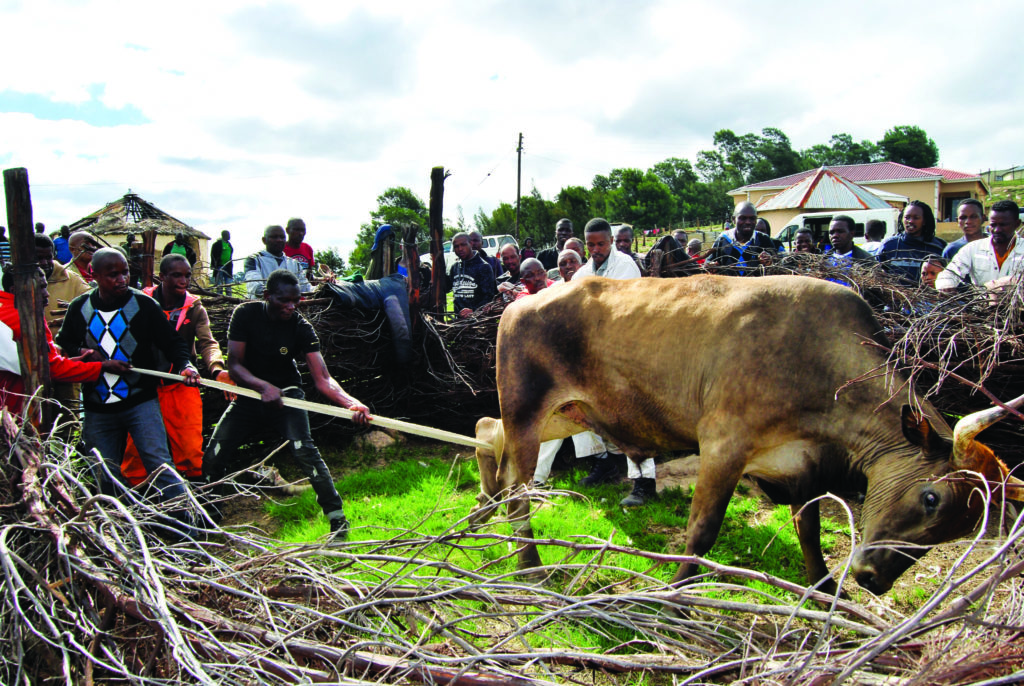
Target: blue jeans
point(108, 433)
point(246, 417)
point(222, 277)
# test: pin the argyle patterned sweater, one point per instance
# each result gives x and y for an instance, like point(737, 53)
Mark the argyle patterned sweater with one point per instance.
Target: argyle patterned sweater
point(132, 329)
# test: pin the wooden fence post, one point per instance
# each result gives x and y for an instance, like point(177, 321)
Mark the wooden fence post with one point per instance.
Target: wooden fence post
point(412, 265)
point(148, 256)
point(438, 272)
point(29, 282)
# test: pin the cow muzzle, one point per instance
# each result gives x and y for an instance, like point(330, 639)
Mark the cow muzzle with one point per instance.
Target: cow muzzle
point(876, 567)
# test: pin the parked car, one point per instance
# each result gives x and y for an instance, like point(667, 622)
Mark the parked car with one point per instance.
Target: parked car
point(818, 222)
point(491, 245)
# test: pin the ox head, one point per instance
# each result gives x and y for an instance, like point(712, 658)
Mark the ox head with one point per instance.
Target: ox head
point(930, 498)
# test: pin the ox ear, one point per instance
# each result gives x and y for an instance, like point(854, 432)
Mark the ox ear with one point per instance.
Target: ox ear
point(918, 430)
point(1013, 488)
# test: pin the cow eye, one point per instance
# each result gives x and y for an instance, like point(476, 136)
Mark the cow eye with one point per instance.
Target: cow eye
point(930, 500)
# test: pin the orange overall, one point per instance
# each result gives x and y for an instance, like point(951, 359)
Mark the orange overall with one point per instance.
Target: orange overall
point(182, 409)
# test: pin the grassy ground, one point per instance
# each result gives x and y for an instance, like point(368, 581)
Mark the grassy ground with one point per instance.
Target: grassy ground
point(427, 491)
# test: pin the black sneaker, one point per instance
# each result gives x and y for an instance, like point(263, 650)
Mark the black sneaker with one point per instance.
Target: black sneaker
point(605, 470)
point(644, 491)
point(339, 528)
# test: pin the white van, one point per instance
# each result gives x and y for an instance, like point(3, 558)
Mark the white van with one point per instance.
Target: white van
point(818, 223)
point(491, 245)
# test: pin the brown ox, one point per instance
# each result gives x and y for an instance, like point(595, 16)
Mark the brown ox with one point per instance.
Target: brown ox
point(661, 365)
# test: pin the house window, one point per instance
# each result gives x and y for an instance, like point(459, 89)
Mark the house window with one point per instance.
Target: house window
point(950, 206)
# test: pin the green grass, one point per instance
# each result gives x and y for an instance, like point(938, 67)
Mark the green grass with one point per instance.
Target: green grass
point(415, 490)
point(416, 493)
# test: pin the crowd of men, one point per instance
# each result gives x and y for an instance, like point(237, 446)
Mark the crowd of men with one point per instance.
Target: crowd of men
point(148, 432)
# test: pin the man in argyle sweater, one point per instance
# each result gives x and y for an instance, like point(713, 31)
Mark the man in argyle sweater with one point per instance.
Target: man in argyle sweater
point(115, 322)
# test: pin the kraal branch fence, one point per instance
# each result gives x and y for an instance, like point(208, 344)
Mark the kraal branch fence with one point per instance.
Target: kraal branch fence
point(91, 594)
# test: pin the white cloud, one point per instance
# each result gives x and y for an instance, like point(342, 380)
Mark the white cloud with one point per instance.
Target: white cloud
point(261, 111)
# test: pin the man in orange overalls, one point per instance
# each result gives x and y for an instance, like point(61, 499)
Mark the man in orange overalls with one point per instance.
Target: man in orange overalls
point(181, 405)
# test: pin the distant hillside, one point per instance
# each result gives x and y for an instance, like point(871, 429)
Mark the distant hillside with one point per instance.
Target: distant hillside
point(1006, 190)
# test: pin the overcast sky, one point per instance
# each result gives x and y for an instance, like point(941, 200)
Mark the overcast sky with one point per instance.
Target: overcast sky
point(238, 115)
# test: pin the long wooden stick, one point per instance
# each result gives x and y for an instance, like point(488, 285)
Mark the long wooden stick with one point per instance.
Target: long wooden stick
point(320, 408)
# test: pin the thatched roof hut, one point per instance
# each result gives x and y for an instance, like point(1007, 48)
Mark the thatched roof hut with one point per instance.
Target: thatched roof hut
point(132, 214)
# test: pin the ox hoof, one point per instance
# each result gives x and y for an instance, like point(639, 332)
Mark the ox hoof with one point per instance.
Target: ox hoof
point(481, 514)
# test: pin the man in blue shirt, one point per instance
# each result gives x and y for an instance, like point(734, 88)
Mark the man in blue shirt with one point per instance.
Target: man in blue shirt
point(903, 253)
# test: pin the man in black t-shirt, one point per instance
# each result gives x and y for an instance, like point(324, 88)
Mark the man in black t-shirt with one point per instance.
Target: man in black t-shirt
point(264, 340)
point(549, 256)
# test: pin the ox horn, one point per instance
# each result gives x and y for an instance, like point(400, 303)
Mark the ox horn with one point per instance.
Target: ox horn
point(970, 426)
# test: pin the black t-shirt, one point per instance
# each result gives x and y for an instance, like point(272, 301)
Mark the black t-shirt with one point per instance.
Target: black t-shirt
point(271, 348)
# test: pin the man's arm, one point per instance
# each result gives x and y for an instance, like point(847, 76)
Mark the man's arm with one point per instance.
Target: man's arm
point(168, 341)
point(488, 284)
point(332, 390)
point(71, 336)
point(209, 348)
point(255, 282)
point(243, 377)
point(956, 273)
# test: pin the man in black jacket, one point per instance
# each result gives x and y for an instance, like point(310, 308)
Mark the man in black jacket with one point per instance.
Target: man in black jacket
point(549, 256)
point(843, 251)
point(470, 279)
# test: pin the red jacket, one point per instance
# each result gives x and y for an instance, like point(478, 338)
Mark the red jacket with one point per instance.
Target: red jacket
point(61, 368)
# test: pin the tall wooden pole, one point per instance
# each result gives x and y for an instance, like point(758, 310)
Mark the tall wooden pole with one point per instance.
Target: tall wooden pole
point(29, 283)
point(519, 180)
point(148, 257)
point(438, 272)
point(412, 265)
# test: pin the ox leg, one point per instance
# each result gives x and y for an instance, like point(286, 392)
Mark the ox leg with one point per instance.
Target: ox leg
point(492, 483)
point(721, 467)
point(808, 530)
point(519, 464)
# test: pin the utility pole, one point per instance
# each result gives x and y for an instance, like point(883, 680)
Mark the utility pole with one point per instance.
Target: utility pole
point(519, 179)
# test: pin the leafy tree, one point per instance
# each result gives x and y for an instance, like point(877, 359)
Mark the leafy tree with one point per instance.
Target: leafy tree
point(396, 205)
point(331, 258)
point(712, 167)
point(641, 199)
point(751, 158)
point(909, 145)
point(536, 216)
point(501, 221)
point(685, 186)
point(773, 156)
point(575, 203)
point(842, 149)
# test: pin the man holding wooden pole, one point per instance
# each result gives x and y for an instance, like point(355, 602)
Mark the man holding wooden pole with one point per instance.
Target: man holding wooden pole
point(116, 322)
point(264, 340)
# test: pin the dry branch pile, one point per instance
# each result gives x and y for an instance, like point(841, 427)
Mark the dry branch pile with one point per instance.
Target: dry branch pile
point(962, 352)
point(91, 595)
